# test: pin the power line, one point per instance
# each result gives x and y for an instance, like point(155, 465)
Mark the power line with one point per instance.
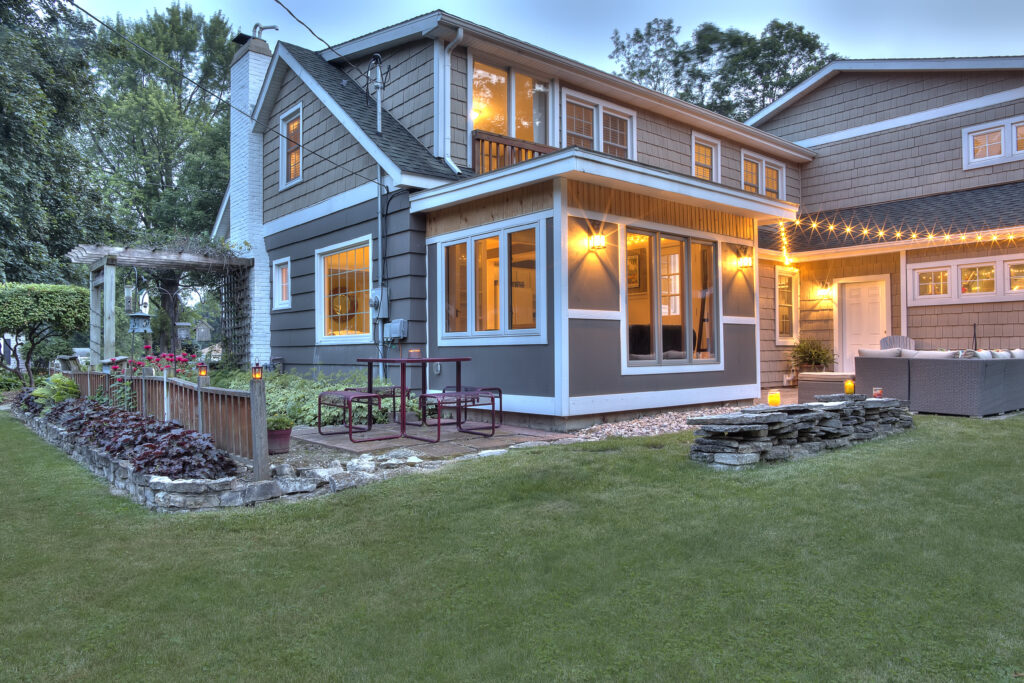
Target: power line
point(213, 94)
point(328, 45)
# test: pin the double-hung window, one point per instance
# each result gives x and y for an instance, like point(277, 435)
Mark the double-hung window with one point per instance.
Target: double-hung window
point(787, 306)
point(594, 124)
point(291, 147)
point(707, 153)
point(344, 273)
point(282, 285)
point(763, 176)
point(492, 286)
point(995, 142)
point(671, 299)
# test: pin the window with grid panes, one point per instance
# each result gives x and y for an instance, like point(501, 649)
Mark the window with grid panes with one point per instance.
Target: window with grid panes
point(751, 176)
point(616, 135)
point(346, 291)
point(933, 283)
point(703, 161)
point(293, 149)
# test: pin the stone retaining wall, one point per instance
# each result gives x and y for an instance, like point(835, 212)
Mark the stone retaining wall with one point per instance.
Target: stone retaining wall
point(181, 495)
point(767, 434)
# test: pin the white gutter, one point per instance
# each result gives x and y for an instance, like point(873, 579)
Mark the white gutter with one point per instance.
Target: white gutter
point(446, 88)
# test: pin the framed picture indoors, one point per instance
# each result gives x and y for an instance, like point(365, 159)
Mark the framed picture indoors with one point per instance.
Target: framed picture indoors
point(636, 271)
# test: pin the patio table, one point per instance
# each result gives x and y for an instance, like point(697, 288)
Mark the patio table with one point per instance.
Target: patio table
point(404, 363)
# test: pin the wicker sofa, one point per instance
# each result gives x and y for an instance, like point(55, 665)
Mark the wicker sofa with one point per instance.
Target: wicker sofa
point(949, 386)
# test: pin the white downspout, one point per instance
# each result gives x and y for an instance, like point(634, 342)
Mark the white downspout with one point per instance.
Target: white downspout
point(446, 88)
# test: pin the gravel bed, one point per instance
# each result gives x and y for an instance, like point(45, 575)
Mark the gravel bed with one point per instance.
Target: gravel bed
point(650, 425)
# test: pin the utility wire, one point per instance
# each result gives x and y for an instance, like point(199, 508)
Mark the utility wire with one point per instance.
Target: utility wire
point(329, 46)
point(213, 94)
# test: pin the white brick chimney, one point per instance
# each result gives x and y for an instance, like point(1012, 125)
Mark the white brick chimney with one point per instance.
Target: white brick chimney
point(248, 69)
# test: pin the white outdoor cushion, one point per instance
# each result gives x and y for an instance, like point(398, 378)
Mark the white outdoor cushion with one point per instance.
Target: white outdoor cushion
point(1017, 353)
point(1001, 354)
point(879, 353)
point(931, 354)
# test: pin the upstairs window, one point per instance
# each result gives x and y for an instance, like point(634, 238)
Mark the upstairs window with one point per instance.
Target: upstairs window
point(996, 142)
point(706, 155)
point(594, 124)
point(763, 176)
point(291, 147)
point(507, 102)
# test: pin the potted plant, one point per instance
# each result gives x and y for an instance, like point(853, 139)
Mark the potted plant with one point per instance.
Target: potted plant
point(279, 433)
point(811, 355)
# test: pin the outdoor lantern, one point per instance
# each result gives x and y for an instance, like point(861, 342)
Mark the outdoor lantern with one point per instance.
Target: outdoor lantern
point(138, 323)
point(201, 367)
point(596, 241)
point(744, 261)
point(774, 398)
point(257, 371)
point(849, 386)
point(415, 353)
point(824, 291)
point(184, 330)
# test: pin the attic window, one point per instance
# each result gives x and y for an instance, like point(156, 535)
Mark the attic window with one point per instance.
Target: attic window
point(291, 147)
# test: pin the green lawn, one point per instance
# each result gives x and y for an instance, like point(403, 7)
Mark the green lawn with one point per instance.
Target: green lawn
point(902, 559)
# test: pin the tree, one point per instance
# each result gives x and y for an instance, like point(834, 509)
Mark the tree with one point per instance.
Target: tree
point(728, 71)
point(33, 314)
point(50, 199)
point(163, 140)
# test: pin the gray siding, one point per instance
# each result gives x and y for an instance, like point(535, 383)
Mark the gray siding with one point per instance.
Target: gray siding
point(409, 94)
point(595, 361)
point(911, 161)
point(857, 99)
point(737, 283)
point(293, 331)
point(460, 110)
point(323, 139)
point(527, 370)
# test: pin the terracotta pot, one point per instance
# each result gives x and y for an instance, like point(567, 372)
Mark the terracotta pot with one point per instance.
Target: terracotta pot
point(279, 440)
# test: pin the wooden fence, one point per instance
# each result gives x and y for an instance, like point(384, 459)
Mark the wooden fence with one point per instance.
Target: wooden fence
point(226, 413)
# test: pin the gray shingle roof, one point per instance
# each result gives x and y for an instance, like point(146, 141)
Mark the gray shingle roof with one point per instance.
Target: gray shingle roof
point(967, 211)
point(395, 140)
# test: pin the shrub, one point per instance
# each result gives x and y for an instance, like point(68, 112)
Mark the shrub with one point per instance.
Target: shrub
point(278, 422)
point(153, 446)
point(9, 381)
point(811, 352)
point(32, 314)
point(29, 403)
point(55, 389)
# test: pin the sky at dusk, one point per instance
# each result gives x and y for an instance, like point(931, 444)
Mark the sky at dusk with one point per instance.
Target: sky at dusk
point(582, 30)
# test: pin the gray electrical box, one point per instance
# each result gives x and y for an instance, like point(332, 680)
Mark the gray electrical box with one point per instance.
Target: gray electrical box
point(379, 303)
point(396, 329)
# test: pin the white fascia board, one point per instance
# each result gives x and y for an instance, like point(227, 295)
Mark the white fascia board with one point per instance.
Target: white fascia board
point(281, 54)
point(220, 212)
point(587, 166)
point(384, 38)
point(937, 64)
point(417, 181)
point(886, 247)
point(918, 117)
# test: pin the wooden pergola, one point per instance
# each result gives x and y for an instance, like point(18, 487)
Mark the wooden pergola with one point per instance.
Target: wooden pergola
point(103, 262)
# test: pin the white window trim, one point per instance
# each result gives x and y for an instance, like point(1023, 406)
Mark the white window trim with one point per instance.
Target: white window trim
point(282, 169)
point(682, 365)
point(1006, 127)
point(1002, 275)
point(762, 162)
point(916, 270)
point(779, 339)
point(600, 107)
point(278, 302)
point(318, 256)
point(503, 336)
point(716, 155)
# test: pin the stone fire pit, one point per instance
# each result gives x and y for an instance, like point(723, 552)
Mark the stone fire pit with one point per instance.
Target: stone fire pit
point(769, 434)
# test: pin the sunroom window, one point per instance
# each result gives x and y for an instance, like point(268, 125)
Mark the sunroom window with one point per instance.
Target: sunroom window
point(490, 284)
point(671, 299)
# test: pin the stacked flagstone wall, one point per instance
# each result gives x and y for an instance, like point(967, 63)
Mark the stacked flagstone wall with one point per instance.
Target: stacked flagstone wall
point(766, 434)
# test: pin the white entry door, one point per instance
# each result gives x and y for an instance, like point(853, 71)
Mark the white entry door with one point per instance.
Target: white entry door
point(862, 319)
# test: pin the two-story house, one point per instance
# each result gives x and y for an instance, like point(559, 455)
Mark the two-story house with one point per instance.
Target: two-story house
point(590, 243)
point(912, 210)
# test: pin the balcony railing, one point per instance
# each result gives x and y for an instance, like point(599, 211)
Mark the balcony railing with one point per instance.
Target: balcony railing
point(492, 152)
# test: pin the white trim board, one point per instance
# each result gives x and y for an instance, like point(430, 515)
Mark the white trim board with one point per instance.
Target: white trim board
point(918, 117)
point(642, 400)
point(349, 198)
point(937, 64)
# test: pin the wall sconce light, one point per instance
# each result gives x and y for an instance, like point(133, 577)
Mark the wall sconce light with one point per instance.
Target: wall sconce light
point(596, 241)
point(825, 291)
point(203, 369)
point(744, 261)
point(257, 371)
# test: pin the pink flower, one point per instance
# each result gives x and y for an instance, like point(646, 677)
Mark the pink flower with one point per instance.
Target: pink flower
point(147, 347)
point(115, 367)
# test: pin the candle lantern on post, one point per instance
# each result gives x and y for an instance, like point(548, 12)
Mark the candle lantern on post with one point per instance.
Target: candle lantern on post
point(258, 410)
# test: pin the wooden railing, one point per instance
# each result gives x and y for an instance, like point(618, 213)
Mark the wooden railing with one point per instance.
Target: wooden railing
point(492, 152)
point(226, 413)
